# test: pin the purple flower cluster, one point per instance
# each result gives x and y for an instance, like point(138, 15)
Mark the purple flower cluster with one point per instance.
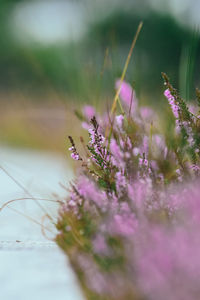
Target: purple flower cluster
point(75, 155)
point(131, 223)
point(172, 102)
point(127, 94)
point(167, 255)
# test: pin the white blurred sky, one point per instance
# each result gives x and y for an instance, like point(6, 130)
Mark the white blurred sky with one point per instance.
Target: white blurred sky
point(48, 21)
point(53, 21)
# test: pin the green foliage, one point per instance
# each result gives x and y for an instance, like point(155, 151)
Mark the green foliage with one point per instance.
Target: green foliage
point(81, 70)
point(109, 264)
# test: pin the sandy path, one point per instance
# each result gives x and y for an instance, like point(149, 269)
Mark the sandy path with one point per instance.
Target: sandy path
point(31, 266)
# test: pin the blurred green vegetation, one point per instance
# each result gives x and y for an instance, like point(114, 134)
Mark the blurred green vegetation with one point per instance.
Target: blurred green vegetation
point(75, 68)
point(161, 46)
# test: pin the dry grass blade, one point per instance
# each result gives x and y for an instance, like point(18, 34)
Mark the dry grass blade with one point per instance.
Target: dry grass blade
point(105, 62)
point(116, 98)
point(26, 191)
point(25, 198)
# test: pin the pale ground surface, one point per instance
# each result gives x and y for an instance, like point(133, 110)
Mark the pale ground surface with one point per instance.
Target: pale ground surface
point(31, 266)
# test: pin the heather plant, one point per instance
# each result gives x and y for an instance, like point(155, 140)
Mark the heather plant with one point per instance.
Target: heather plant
point(130, 224)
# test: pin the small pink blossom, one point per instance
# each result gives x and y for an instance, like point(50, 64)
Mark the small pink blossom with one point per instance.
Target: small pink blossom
point(147, 113)
point(172, 102)
point(100, 246)
point(124, 224)
point(89, 112)
point(119, 121)
point(75, 156)
point(126, 94)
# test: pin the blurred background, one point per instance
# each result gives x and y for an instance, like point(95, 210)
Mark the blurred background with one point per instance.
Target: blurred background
point(56, 55)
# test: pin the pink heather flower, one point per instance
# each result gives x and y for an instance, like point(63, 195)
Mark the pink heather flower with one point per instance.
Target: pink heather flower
point(74, 153)
point(100, 246)
point(147, 113)
point(138, 192)
point(143, 161)
point(172, 102)
point(167, 257)
point(154, 165)
point(126, 94)
point(89, 191)
point(195, 168)
point(75, 156)
point(136, 151)
point(129, 144)
point(89, 112)
point(179, 175)
point(85, 125)
point(119, 121)
point(178, 126)
point(72, 203)
point(92, 135)
point(127, 155)
point(123, 224)
point(159, 141)
point(117, 154)
point(193, 109)
point(115, 149)
point(144, 149)
point(122, 143)
point(188, 129)
point(121, 183)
